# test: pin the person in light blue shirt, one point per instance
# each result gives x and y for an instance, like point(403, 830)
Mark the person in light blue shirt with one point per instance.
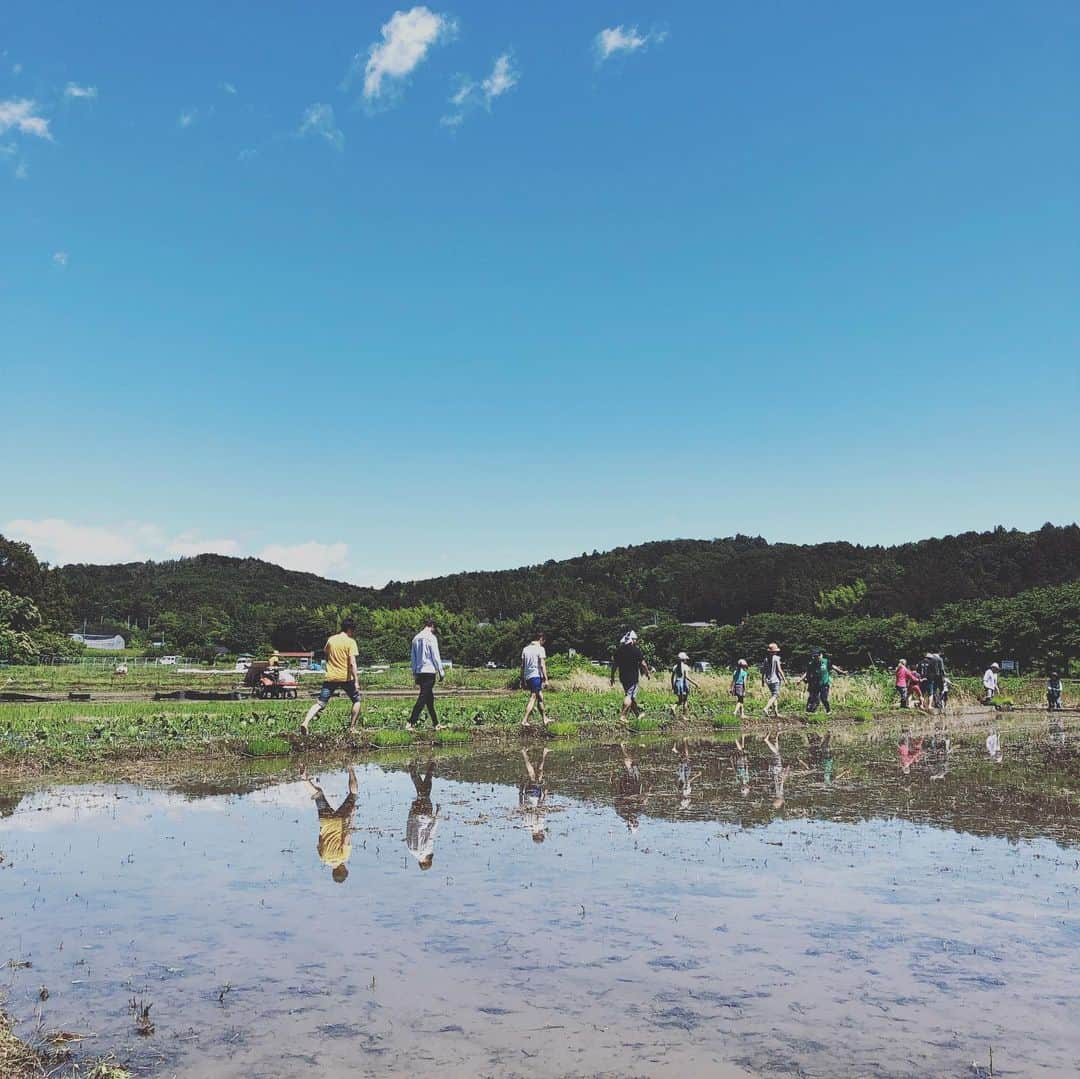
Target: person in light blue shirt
point(427, 665)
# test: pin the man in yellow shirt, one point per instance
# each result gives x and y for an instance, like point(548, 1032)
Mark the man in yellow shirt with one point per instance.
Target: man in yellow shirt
point(341, 674)
point(335, 826)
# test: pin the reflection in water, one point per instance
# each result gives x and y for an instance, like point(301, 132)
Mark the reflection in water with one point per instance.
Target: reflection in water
point(778, 773)
point(684, 777)
point(422, 822)
point(335, 826)
point(631, 795)
point(940, 902)
point(532, 795)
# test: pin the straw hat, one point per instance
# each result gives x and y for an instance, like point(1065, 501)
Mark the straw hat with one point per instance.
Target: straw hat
point(742, 663)
point(774, 647)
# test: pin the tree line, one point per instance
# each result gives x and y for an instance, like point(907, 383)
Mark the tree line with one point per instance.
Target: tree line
point(1000, 593)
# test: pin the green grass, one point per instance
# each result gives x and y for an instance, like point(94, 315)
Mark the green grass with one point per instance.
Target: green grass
point(446, 736)
point(726, 720)
point(562, 729)
point(391, 738)
point(267, 747)
point(645, 724)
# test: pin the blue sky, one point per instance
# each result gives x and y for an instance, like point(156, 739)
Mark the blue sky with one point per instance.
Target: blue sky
point(388, 292)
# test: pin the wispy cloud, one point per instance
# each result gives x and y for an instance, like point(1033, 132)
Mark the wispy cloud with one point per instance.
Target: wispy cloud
point(319, 120)
point(16, 69)
point(22, 115)
point(407, 38)
point(504, 77)
point(187, 117)
point(73, 89)
point(628, 39)
point(21, 171)
point(60, 258)
point(228, 88)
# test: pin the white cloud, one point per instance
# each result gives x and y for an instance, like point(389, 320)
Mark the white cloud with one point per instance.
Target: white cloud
point(325, 559)
point(228, 88)
point(60, 258)
point(60, 542)
point(75, 90)
point(16, 69)
point(21, 171)
point(504, 76)
point(624, 39)
point(187, 118)
point(407, 38)
point(319, 120)
point(188, 543)
point(21, 115)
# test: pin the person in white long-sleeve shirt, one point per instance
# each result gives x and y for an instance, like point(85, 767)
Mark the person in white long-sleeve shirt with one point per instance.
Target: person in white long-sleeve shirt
point(427, 665)
point(422, 822)
point(990, 682)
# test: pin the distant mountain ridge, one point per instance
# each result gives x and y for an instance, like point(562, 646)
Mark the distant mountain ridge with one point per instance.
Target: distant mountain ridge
point(692, 580)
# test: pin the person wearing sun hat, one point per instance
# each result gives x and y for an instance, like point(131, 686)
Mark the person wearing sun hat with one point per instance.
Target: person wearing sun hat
point(772, 676)
point(990, 682)
point(681, 683)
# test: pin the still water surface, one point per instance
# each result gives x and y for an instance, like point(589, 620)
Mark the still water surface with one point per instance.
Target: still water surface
point(595, 920)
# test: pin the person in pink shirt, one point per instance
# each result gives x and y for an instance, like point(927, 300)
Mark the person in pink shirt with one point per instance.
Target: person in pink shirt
point(905, 678)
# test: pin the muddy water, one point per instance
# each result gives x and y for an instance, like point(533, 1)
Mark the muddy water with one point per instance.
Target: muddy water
point(875, 923)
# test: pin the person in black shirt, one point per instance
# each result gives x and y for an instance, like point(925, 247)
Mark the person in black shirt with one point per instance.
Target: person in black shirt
point(629, 662)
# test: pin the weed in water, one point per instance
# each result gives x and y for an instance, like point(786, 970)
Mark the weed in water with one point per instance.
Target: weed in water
point(141, 1011)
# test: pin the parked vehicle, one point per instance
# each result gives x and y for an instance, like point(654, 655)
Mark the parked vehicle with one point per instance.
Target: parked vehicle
point(168, 661)
point(703, 666)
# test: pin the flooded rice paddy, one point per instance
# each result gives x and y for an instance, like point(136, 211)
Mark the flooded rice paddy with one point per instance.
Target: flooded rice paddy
point(606, 917)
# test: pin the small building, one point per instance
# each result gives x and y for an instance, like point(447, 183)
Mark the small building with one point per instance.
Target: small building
point(303, 659)
point(100, 642)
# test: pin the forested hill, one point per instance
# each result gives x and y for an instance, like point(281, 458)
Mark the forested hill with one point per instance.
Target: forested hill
point(691, 580)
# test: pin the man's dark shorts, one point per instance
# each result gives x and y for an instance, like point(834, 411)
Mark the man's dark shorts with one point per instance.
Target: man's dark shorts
point(326, 810)
point(330, 688)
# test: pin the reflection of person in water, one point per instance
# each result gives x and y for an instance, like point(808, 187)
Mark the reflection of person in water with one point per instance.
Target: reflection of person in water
point(741, 763)
point(422, 822)
point(910, 751)
point(993, 747)
point(684, 779)
point(777, 772)
point(532, 795)
point(335, 825)
point(630, 796)
point(821, 754)
point(937, 748)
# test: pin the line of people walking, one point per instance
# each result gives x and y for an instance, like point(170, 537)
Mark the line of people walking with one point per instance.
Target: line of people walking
point(924, 685)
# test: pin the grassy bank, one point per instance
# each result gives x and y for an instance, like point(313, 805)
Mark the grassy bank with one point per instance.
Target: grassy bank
point(37, 736)
point(21, 1061)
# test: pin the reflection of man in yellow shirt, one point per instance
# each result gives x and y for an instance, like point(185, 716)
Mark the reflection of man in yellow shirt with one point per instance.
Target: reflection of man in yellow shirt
point(335, 826)
point(341, 674)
